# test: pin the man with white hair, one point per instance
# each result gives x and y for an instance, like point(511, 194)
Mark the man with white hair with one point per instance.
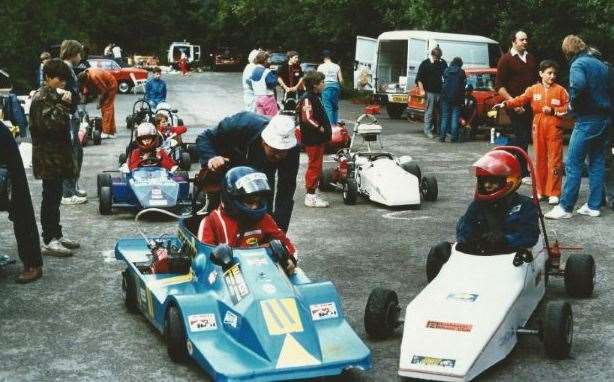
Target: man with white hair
point(266, 144)
point(248, 91)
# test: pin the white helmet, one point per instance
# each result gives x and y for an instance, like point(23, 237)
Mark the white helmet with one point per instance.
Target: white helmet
point(146, 130)
point(279, 133)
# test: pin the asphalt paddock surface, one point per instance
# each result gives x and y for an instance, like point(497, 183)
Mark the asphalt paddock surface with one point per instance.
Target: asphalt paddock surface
point(72, 325)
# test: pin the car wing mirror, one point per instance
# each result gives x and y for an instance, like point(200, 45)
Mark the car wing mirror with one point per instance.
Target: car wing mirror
point(222, 256)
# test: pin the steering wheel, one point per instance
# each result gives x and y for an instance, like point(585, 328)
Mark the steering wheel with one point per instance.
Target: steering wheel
point(141, 105)
point(150, 162)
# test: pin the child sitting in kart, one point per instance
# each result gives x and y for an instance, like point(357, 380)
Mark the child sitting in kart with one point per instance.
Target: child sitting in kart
point(499, 220)
point(148, 151)
point(242, 220)
point(166, 130)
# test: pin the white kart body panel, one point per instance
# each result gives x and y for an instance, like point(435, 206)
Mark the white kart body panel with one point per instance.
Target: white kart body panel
point(384, 181)
point(466, 319)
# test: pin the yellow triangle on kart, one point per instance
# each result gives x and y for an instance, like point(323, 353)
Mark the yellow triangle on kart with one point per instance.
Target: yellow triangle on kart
point(281, 316)
point(293, 354)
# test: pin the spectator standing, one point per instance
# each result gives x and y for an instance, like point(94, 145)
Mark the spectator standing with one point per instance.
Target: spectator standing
point(333, 80)
point(590, 105)
point(45, 57)
point(452, 99)
point(290, 76)
point(155, 88)
point(108, 50)
point(429, 80)
point(101, 82)
point(516, 71)
point(263, 82)
point(117, 54)
point(183, 63)
point(248, 92)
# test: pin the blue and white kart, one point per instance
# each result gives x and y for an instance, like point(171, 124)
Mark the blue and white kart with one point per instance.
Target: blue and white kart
point(141, 188)
point(236, 312)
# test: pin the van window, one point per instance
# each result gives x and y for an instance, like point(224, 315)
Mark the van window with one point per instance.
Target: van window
point(472, 53)
point(391, 63)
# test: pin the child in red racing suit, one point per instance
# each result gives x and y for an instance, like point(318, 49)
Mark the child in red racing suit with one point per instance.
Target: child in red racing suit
point(148, 152)
point(166, 130)
point(242, 221)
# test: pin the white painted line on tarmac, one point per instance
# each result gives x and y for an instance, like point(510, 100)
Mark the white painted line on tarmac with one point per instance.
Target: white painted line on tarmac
point(108, 256)
point(394, 216)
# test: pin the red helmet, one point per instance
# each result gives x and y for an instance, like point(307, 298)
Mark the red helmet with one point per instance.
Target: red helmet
point(496, 166)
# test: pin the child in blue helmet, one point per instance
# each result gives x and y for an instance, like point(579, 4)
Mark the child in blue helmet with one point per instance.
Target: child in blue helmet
point(242, 220)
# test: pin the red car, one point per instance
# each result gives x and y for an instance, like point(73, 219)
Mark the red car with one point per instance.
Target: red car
point(124, 81)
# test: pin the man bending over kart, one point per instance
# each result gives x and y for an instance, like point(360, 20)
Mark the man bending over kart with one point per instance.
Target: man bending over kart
point(148, 151)
point(102, 82)
point(266, 144)
point(499, 220)
point(242, 220)
point(166, 130)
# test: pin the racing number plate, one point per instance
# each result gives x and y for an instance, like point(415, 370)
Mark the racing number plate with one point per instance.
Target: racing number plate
point(399, 98)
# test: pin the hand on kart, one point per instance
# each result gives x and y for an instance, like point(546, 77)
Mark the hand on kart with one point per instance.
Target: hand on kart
point(290, 267)
point(217, 163)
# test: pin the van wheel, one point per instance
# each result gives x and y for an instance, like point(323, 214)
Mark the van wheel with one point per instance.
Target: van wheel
point(437, 257)
point(557, 329)
point(382, 313)
point(174, 332)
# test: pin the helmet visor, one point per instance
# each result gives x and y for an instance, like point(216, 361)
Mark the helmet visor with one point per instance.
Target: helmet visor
point(253, 183)
point(488, 185)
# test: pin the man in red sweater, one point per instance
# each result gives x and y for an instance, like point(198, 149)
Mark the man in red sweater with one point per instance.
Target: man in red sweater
point(516, 71)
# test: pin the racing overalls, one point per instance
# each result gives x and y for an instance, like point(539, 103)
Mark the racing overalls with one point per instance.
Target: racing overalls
point(137, 157)
point(106, 86)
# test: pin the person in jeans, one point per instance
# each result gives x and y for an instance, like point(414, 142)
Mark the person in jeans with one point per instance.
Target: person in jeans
point(429, 80)
point(590, 105)
point(52, 152)
point(70, 52)
point(609, 171)
point(452, 99)
point(332, 87)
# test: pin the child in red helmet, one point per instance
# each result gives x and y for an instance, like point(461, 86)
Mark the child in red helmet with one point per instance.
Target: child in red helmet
point(148, 151)
point(499, 220)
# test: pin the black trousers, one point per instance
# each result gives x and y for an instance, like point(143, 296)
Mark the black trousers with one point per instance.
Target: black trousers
point(50, 209)
point(521, 127)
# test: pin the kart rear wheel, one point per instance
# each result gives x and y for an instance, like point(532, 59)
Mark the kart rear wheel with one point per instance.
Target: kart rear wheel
point(96, 137)
point(103, 180)
point(105, 201)
point(350, 191)
point(174, 332)
point(437, 257)
point(429, 189)
point(413, 169)
point(327, 178)
point(382, 313)
point(129, 292)
point(557, 329)
point(122, 158)
point(580, 275)
point(185, 161)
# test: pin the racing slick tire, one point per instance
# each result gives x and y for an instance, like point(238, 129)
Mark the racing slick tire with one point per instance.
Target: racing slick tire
point(105, 201)
point(437, 257)
point(395, 110)
point(413, 169)
point(129, 292)
point(428, 188)
point(327, 178)
point(557, 329)
point(185, 162)
point(103, 180)
point(124, 87)
point(580, 275)
point(174, 332)
point(381, 313)
point(350, 191)
point(96, 137)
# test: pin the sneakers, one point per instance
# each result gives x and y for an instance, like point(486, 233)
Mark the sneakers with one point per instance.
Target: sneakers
point(553, 200)
point(585, 210)
point(73, 200)
point(527, 180)
point(81, 193)
point(107, 136)
point(315, 200)
point(70, 244)
point(558, 213)
point(429, 135)
point(55, 249)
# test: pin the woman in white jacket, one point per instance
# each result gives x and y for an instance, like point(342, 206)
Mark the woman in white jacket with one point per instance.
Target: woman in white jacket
point(248, 92)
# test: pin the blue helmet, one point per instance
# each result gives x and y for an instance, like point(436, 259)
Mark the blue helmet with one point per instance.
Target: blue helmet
point(240, 182)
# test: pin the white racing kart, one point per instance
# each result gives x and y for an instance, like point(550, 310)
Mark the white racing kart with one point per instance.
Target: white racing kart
point(377, 175)
point(475, 306)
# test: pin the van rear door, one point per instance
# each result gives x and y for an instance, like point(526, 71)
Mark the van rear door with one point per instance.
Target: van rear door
point(416, 53)
point(364, 63)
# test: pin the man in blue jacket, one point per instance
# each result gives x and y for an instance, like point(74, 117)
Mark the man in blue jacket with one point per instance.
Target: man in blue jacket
point(155, 88)
point(590, 104)
point(266, 144)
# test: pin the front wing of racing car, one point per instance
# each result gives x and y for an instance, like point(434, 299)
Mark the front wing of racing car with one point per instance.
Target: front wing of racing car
point(250, 322)
point(466, 319)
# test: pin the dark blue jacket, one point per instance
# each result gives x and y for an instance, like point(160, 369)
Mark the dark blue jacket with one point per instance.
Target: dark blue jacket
point(238, 138)
point(453, 88)
point(515, 216)
point(13, 111)
point(271, 78)
point(155, 91)
point(73, 87)
point(588, 87)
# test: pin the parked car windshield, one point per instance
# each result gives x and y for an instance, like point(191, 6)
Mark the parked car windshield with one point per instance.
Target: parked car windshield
point(472, 53)
point(481, 81)
point(105, 64)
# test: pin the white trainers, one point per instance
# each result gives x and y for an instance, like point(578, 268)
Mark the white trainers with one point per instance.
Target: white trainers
point(70, 244)
point(56, 249)
point(558, 213)
point(553, 200)
point(107, 136)
point(73, 200)
point(585, 210)
point(527, 180)
point(81, 193)
point(315, 200)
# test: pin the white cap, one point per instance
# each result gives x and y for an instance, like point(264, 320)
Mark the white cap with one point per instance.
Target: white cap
point(252, 56)
point(279, 133)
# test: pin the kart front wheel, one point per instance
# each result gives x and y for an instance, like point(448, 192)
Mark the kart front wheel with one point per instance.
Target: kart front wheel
point(350, 191)
point(413, 169)
point(96, 137)
point(382, 313)
point(105, 201)
point(557, 329)
point(437, 257)
point(174, 332)
point(129, 292)
point(580, 275)
point(103, 180)
point(429, 189)
point(185, 161)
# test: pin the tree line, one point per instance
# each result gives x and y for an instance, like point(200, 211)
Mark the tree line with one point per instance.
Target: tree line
point(149, 26)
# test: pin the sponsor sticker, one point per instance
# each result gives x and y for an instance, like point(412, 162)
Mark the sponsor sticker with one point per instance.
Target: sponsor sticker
point(231, 319)
point(466, 297)
point(212, 277)
point(269, 288)
point(237, 288)
point(433, 361)
point(454, 326)
point(202, 322)
point(323, 311)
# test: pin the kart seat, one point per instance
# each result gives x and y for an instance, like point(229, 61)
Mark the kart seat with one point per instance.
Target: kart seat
point(369, 132)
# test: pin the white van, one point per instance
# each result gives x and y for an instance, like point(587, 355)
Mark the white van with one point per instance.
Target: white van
point(388, 65)
point(191, 51)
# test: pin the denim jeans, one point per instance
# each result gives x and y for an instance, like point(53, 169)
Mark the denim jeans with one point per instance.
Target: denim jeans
point(432, 103)
point(609, 172)
point(587, 139)
point(450, 116)
point(330, 101)
point(50, 209)
point(70, 184)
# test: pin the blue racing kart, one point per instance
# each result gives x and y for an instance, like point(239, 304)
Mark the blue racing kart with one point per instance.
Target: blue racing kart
point(235, 311)
point(142, 188)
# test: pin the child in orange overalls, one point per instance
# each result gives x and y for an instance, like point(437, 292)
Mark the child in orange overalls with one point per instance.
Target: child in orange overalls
point(549, 104)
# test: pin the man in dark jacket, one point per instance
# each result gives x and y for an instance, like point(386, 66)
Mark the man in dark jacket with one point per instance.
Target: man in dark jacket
point(429, 79)
point(452, 99)
point(266, 144)
point(21, 211)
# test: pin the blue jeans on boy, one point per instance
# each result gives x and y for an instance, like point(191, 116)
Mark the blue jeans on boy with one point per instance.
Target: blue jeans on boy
point(432, 103)
point(450, 116)
point(330, 101)
point(587, 139)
